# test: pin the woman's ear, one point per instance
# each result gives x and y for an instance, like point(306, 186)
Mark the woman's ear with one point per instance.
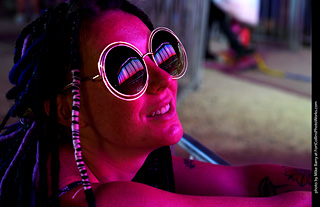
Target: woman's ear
point(64, 110)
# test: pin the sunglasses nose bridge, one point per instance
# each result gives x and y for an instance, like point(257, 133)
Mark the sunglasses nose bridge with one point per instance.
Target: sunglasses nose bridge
point(147, 54)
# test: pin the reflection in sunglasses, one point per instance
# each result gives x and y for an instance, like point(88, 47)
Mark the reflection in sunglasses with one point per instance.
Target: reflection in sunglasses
point(164, 52)
point(129, 68)
point(167, 59)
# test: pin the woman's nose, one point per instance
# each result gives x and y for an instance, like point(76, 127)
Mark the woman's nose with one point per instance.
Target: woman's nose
point(159, 79)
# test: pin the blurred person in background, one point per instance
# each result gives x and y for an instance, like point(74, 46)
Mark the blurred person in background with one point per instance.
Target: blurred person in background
point(234, 18)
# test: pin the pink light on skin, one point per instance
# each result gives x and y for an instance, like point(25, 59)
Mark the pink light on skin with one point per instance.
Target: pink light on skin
point(118, 135)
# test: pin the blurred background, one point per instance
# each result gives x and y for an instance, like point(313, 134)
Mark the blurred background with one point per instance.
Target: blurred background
point(248, 105)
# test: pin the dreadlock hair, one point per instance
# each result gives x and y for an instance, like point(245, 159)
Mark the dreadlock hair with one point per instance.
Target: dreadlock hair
point(44, 52)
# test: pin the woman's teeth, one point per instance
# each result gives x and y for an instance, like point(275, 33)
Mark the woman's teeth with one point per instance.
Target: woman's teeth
point(163, 110)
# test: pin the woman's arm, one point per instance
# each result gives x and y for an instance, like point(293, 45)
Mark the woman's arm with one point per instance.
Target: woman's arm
point(199, 178)
point(204, 184)
point(140, 195)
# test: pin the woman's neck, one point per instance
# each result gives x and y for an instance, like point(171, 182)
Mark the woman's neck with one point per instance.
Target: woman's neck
point(113, 164)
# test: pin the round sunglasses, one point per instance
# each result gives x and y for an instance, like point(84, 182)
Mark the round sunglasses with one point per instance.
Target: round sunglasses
point(124, 72)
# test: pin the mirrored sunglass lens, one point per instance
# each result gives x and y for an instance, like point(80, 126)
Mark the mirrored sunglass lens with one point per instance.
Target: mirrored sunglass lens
point(168, 53)
point(125, 70)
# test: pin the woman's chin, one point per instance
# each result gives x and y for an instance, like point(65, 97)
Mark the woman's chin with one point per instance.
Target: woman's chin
point(174, 134)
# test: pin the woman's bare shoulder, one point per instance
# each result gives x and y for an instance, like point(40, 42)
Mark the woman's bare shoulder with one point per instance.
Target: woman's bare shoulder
point(119, 193)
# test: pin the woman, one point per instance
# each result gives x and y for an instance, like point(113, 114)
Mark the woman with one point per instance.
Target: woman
point(126, 120)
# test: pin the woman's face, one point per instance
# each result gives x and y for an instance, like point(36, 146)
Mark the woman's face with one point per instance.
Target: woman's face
point(125, 123)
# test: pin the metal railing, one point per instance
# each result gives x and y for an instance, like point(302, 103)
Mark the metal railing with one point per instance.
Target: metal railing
point(198, 151)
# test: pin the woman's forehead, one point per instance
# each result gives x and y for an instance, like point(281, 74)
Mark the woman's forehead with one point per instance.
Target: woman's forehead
point(112, 26)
